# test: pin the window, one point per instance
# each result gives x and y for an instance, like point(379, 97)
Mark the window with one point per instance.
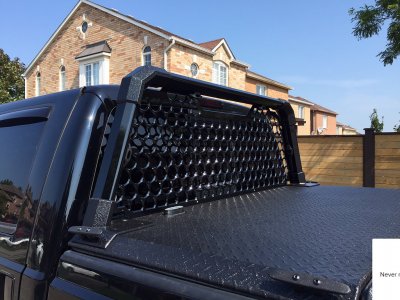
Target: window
point(261, 89)
point(324, 121)
point(84, 26)
point(38, 84)
point(17, 153)
point(92, 73)
point(147, 56)
point(301, 112)
point(194, 69)
point(62, 78)
point(220, 73)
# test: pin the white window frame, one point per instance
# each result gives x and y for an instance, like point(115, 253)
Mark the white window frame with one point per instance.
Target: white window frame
point(324, 121)
point(38, 83)
point(261, 90)
point(62, 78)
point(104, 68)
point(300, 111)
point(217, 68)
point(146, 55)
point(91, 67)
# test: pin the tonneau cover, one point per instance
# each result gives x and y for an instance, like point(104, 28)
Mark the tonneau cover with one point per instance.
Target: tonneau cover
point(236, 242)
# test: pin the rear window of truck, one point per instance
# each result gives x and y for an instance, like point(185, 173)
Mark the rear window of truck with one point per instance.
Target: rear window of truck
point(18, 146)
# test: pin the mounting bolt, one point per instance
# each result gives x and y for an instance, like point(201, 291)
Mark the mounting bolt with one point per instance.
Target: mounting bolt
point(296, 277)
point(317, 281)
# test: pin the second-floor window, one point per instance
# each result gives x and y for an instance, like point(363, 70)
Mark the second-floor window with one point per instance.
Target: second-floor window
point(62, 78)
point(38, 84)
point(324, 121)
point(301, 112)
point(92, 73)
point(261, 89)
point(220, 73)
point(147, 56)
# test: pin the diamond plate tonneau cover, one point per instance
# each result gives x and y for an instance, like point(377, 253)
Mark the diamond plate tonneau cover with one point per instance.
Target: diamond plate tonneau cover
point(233, 243)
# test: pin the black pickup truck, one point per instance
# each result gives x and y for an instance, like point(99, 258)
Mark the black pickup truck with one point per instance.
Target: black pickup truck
point(166, 187)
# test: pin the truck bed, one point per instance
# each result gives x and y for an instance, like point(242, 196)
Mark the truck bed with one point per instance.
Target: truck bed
point(237, 242)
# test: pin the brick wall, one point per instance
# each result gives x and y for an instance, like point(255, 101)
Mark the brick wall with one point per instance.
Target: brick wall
point(331, 128)
point(125, 40)
point(237, 76)
point(181, 57)
point(306, 128)
point(222, 55)
point(272, 91)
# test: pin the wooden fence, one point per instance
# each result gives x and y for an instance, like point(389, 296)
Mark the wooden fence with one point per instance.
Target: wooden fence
point(362, 160)
point(387, 160)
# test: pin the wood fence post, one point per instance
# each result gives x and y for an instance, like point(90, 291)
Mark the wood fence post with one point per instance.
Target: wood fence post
point(369, 158)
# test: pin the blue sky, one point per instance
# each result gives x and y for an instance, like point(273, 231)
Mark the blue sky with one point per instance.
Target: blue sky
point(305, 44)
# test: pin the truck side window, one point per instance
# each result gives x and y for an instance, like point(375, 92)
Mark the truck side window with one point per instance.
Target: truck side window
point(18, 146)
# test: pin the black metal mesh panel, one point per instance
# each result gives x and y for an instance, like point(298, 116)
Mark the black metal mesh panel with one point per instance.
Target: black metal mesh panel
point(107, 131)
point(180, 151)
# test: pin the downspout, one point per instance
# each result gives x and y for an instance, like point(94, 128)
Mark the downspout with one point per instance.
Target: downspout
point(165, 54)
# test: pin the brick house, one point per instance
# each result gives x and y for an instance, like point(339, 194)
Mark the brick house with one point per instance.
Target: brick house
point(302, 112)
point(98, 45)
point(343, 129)
point(313, 118)
point(323, 120)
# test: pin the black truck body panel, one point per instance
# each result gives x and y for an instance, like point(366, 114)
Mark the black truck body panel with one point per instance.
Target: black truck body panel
point(56, 177)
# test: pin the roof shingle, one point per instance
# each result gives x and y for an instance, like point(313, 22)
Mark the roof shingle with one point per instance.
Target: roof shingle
point(211, 44)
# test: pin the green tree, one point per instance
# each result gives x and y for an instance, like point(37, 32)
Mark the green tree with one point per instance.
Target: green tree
point(396, 127)
point(11, 81)
point(369, 21)
point(375, 124)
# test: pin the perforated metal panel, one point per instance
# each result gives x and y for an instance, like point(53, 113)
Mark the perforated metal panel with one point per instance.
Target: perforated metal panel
point(186, 149)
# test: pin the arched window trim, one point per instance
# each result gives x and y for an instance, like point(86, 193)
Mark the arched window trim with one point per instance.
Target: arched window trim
point(146, 56)
point(62, 78)
point(38, 79)
point(220, 73)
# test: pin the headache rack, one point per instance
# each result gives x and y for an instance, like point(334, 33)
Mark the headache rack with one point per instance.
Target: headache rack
point(186, 141)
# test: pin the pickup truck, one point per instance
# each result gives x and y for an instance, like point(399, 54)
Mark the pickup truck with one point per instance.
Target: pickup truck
point(167, 187)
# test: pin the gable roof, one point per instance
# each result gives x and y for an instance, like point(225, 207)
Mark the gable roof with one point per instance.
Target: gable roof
point(215, 44)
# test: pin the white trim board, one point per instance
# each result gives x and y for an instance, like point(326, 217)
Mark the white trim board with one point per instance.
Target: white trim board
point(226, 46)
